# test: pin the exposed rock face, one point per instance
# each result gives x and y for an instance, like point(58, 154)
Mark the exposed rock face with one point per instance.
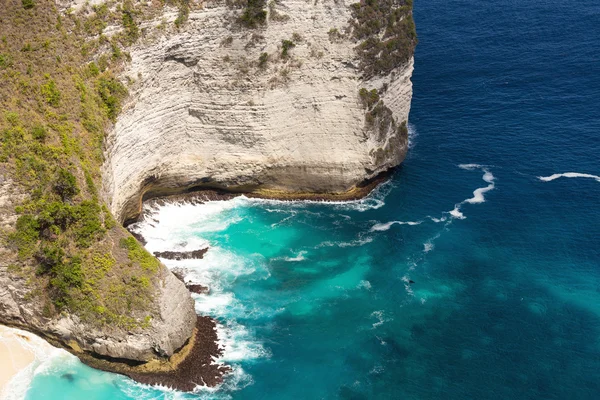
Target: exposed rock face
point(166, 334)
point(182, 255)
point(203, 112)
point(209, 109)
point(168, 331)
point(174, 320)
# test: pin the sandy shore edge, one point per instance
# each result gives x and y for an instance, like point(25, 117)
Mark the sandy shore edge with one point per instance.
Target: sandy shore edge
point(17, 352)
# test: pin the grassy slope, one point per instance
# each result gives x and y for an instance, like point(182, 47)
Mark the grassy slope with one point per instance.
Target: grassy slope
point(55, 107)
point(58, 97)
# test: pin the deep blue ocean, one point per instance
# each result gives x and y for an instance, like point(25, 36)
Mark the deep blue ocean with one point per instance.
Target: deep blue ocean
point(315, 300)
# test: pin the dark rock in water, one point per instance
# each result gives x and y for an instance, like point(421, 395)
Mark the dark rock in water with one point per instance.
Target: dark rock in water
point(69, 377)
point(192, 287)
point(195, 288)
point(179, 273)
point(139, 237)
point(182, 255)
point(196, 368)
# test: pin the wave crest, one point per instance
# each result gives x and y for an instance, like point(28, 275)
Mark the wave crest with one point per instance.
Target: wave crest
point(479, 193)
point(387, 225)
point(568, 175)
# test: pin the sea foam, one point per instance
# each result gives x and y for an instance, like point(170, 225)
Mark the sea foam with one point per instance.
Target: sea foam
point(48, 360)
point(412, 135)
point(479, 193)
point(185, 227)
point(568, 175)
point(387, 225)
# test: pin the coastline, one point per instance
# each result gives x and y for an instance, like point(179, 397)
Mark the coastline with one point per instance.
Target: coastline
point(15, 356)
point(192, 366)
point(200, 195)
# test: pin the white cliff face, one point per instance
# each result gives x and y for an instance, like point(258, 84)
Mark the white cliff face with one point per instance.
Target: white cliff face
point(173, 312)
point(168, 331)
point(203, 112)
point(173, 320)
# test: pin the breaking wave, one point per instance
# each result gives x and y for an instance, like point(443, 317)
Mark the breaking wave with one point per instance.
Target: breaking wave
point(385, 226)
point(478, 194)
point(568, 175)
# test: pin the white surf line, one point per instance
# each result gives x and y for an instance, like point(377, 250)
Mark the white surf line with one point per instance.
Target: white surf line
point(387, 225)
point(568, 175)
point(479, 193)
point(412, 135)
point(456, 213)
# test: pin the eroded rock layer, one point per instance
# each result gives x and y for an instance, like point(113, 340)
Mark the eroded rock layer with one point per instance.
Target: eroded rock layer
point(219, 105)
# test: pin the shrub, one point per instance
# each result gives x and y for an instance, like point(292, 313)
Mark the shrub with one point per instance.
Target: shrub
point(116, 50)
point(254, 14)
point(51, 93)
point(286, 45)
point(111, 92)
point(26, 236)
point(64, 277)
point(28, 4)
point(39, 133)
point(368, 98)
point(93, 69)
point(403, 129)
point(138, 254)
point(131, 29)
point(89, 225)
point(30, 168)
point(56, 214)
point(109, 221)
point(49, 257)
point(182, 16)
point(5, 61)
point(103, 62)
point(335, 35)
point(387, 31)
point(12, 118)
point(65, 185)
point(262, 60)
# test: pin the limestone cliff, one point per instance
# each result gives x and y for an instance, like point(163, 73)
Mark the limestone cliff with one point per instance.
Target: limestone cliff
point(207, 111)
point(170, 316)
point(67, 271)
point(290, 97)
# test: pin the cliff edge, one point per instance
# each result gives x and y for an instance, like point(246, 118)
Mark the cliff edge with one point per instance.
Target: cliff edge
point(312, 99)
point(105, 104)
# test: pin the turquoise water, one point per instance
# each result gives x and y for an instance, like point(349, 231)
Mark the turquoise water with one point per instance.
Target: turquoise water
point(315, 300)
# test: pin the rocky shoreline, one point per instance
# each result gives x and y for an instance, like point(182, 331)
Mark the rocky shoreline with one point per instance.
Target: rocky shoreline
point(192, 366)
point(192, 287)
point(197, 368)
point(181, 255)
point(200, 195)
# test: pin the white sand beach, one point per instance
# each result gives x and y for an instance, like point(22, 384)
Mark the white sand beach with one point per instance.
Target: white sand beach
point(14, 354)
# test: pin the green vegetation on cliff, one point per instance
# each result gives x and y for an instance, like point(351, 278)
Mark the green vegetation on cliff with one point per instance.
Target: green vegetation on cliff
point(387, 33)
point(254, 13)
point(58, 97)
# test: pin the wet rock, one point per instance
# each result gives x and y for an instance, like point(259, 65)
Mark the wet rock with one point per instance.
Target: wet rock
point(182, 255)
